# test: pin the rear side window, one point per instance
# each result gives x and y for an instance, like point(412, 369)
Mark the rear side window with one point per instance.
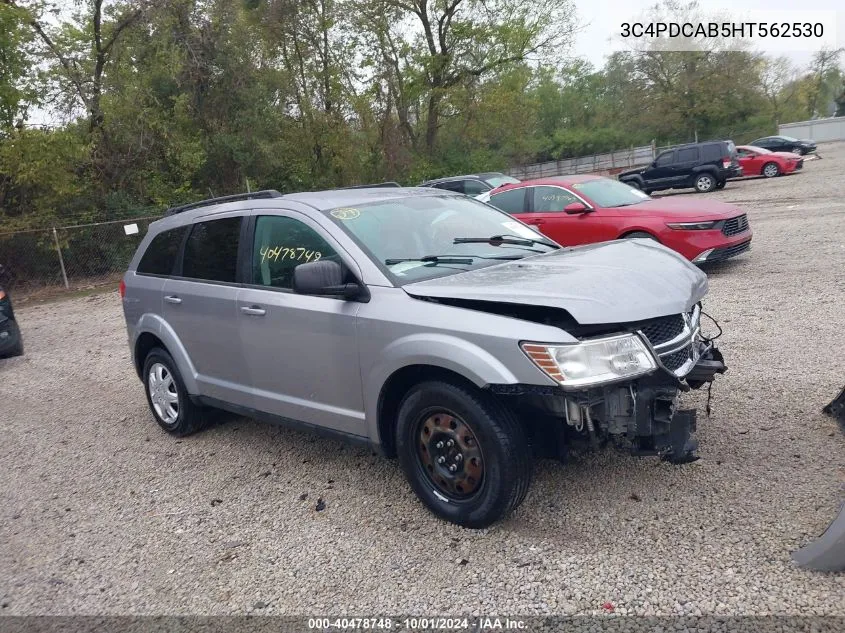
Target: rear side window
point(713, 151)
point(474, 187)
point(160, 256)
point(665, 159)
point(511, 201)
point(451, 185)
point(688, 155)
point(211, 252)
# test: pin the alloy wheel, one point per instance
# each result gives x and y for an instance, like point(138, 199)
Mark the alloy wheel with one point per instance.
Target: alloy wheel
point(770, 170)
point(704, 183)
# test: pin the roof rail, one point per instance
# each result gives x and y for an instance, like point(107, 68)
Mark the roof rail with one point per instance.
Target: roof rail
point(255, 195)
point(382, 184)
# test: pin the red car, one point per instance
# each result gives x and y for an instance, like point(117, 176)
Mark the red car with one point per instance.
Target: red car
point(758, 161)
point(574, 210)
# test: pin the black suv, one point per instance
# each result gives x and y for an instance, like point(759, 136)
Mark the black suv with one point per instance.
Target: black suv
point(785, 144)
point(704, 166)
point(471, 184)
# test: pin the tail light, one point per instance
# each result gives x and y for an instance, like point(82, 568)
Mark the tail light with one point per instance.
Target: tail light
point(122, 289)
point(726, 162)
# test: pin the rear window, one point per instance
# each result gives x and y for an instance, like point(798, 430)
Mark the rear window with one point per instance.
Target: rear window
point(211, 252)
point(160, 256)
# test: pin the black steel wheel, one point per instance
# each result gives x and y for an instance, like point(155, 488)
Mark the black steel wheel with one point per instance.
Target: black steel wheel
point(463, 452)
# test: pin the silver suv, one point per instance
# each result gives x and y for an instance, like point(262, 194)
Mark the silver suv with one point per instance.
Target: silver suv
point(423, 324)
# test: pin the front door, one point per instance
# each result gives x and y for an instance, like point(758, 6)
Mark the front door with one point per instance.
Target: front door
point(301, 351)
point(200, 305)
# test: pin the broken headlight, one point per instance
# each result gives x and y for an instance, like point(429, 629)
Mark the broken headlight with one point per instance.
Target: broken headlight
point(594, 361)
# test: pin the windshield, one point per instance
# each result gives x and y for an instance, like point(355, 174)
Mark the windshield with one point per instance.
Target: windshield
point(427, 227)
point(498, 181)
point(610, 193)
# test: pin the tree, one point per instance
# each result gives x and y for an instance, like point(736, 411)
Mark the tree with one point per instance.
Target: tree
point(15, 65)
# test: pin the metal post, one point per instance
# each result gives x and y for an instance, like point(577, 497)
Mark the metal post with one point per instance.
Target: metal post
point(61, 260)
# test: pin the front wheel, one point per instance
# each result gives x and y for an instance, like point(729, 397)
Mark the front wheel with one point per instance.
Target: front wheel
point(464, 454)
point(798, 150)
point(705, 183)
point(770, 170)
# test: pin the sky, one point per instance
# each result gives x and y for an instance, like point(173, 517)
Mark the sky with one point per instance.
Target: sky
point(602, 18)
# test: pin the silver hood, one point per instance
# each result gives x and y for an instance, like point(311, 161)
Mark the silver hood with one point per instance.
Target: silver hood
point(611, 282)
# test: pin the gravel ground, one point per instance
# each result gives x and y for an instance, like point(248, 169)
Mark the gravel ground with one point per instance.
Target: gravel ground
point(102, 513)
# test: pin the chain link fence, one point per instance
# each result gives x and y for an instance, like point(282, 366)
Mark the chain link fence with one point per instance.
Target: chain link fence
point(67, 258)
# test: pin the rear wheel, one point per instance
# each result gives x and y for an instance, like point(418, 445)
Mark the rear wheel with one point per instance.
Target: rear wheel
point(721, 184)
point(464, 454)
point(771, 169)
point(705, 183)
point(167, 397)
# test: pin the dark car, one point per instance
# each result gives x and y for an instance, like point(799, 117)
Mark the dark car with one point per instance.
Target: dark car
point(11, 341)
point(785, 144)
point(471, 184)
point(703, 166)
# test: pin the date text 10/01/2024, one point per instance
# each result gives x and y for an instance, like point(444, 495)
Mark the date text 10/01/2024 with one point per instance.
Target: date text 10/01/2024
point(417, 624)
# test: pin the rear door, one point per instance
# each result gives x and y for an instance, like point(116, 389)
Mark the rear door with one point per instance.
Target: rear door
point(686, 160)
point(199, 303)
point(514, 202)
point(301, 351)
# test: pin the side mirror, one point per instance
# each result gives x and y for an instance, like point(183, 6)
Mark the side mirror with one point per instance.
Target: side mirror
point(325, 278)
point(576, 207)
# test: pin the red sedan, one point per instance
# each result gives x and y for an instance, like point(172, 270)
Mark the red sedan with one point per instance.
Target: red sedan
point(576, 210)
point(758, 161)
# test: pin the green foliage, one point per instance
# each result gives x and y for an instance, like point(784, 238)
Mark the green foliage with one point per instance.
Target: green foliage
point(168, 102)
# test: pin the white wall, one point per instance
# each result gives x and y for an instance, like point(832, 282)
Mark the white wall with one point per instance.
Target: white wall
point(817, 130)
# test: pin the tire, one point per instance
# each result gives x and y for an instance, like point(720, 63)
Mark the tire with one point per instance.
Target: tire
point(17, 349)
point(189, 417)
point(770, 170)
point(634, 183)
point(639, 234)
point(705, 183)
point(797, 150)
point(435, 413)
point(721, 184)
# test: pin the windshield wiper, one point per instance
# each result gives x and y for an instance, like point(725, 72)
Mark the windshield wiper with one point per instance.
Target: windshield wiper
point(495, 240)
point(432, 259)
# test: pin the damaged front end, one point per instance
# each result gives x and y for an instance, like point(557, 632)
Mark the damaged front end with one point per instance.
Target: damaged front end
point(641, 413)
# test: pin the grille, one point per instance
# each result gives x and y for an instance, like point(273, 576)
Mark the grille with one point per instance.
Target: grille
point(676, 360)
point(721, 254)
point(664, 329)
point(736, 225)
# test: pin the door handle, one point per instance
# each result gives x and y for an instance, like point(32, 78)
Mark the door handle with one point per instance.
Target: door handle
point(254, 311)
point(173, 299)
point(535, 221)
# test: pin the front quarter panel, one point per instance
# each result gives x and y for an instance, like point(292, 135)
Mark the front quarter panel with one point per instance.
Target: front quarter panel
point(396, 331)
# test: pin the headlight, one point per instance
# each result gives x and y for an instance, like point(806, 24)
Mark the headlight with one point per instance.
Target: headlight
point(593, 362)
point(692, 226)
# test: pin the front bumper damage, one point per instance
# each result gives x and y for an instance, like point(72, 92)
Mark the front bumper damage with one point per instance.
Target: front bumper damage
point(642, 415)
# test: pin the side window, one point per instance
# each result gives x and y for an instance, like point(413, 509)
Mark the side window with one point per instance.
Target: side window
point(713, 151)
point(281, 244)
point(211, 251)
point(451, 185)
point(160, 256)
point(548, 199)
point(665, 159)
point(688, 155)
point(510, 201)
point(474, 187)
